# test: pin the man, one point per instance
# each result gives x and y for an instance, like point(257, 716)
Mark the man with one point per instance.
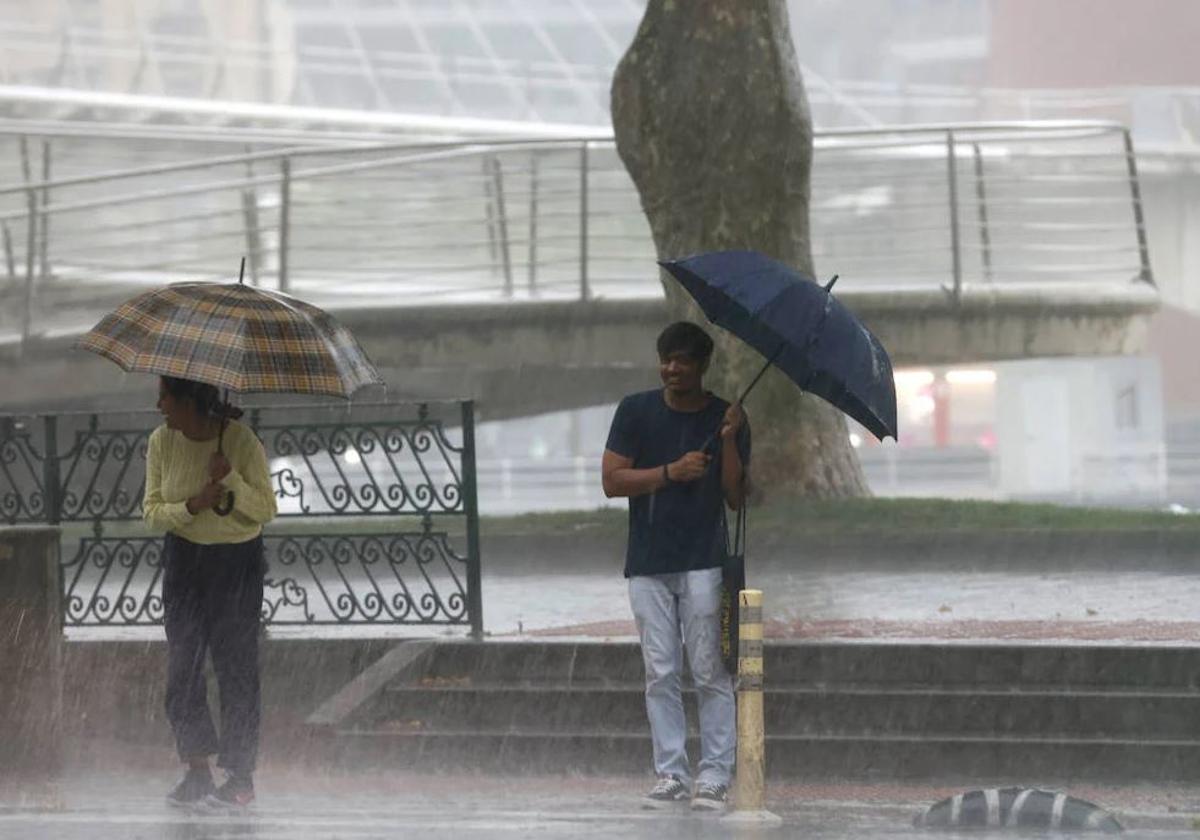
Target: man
point(677, 453)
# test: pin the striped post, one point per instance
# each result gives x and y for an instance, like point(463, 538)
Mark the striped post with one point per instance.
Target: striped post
point(749, 786)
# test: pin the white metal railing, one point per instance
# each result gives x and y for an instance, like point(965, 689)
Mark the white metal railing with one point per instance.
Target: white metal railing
point(913, 207)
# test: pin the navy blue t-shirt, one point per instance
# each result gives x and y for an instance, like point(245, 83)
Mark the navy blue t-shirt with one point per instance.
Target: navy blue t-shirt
point(679, 527)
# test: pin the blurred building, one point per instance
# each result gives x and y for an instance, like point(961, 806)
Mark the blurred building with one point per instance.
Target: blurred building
point(1093, 44)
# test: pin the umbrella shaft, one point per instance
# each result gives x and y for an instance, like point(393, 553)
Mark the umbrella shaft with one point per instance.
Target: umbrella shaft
point(745, 393)
point(224, 420)
point(754, 381)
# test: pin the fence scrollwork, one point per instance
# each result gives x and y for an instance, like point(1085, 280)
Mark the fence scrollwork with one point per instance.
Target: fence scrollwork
point(368, 463)
point(393, 468)
point(22, 461)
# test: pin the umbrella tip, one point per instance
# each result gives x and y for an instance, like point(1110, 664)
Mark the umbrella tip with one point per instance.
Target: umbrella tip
point(829, 285)
point(242, 272)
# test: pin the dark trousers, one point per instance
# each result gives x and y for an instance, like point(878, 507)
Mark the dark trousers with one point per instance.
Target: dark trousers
point(212, 598)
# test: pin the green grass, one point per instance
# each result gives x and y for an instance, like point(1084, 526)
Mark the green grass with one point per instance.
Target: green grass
point(941, 515)
point(791, 515)
point(782, 516)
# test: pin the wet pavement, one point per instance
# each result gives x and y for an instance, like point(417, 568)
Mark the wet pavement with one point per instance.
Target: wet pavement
point(129, 807)
point(1079, 605)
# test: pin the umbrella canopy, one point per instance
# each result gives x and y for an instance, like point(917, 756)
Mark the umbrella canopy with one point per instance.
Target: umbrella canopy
point(799, 326)
point(233, 336)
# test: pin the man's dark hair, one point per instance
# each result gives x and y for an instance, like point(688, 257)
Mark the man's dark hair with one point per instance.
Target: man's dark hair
point(685, 337)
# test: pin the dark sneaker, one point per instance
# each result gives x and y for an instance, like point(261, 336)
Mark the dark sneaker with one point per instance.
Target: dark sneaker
point(237, 792)
point(710, 797)
point(666, 790)
point(196, 784)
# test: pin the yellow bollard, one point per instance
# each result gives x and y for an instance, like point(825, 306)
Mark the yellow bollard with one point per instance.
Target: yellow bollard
point(750, 783)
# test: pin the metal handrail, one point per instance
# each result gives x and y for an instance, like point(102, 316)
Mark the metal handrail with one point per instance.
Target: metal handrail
point(145, 171)
point(470, 216)
point(459, 148)
point(223, 134)
point(968, 127)
point(461, 151)
point(455, 148)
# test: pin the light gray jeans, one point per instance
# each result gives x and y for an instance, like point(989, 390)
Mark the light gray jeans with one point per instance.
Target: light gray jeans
point(675, 611)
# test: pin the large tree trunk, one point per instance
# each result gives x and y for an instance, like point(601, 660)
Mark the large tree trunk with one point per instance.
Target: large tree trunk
point(713, 125)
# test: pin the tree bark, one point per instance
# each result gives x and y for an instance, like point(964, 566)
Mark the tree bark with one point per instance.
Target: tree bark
point(712, 123)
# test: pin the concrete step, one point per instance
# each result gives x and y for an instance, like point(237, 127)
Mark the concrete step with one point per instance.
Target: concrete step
point(838, 710)
point(832, 710)
point(798, 757)
point(800, 663)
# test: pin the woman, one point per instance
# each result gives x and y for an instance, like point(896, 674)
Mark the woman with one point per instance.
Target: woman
point(213, 570)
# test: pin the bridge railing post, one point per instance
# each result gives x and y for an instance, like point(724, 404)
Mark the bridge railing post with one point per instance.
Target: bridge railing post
point(584, 291)
point(285, 209)
point(44, 222)
point(955, 244)
point(533, 221)
point(1135, 192)
point(10, 258)
point(497, 181)
point(985, 236)
point(31, 226)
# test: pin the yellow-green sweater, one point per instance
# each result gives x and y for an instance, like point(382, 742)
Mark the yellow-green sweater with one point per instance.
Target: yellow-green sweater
point(177, 469)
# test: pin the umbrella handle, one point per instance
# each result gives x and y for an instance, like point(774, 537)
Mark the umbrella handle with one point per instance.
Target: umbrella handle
point(226, 507)
point(745, 393)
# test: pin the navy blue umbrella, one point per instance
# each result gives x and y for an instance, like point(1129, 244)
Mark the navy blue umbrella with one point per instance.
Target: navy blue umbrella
point(797, 325)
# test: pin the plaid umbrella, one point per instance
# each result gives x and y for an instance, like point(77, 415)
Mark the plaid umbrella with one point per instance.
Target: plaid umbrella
point(236, 337)
point(233, 336)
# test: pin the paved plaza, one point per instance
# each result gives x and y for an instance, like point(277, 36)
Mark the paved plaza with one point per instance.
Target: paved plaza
point(298, 806)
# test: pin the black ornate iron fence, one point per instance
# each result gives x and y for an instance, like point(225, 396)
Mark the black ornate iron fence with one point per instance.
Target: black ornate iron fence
point(350, 483)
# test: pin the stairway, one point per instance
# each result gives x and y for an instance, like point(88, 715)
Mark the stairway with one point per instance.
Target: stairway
point(858, 711)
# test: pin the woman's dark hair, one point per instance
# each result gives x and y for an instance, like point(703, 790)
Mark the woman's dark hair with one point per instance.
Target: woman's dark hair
point(685, 337)
point(206, 398)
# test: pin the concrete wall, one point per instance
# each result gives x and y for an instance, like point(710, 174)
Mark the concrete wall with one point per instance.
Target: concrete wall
point(31, 650)
point(522, 359)
point(1092, 43)
point(114, 693)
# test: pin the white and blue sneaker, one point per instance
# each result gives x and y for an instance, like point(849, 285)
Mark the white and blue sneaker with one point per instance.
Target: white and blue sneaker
point(710, 796)
point(666, 791)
